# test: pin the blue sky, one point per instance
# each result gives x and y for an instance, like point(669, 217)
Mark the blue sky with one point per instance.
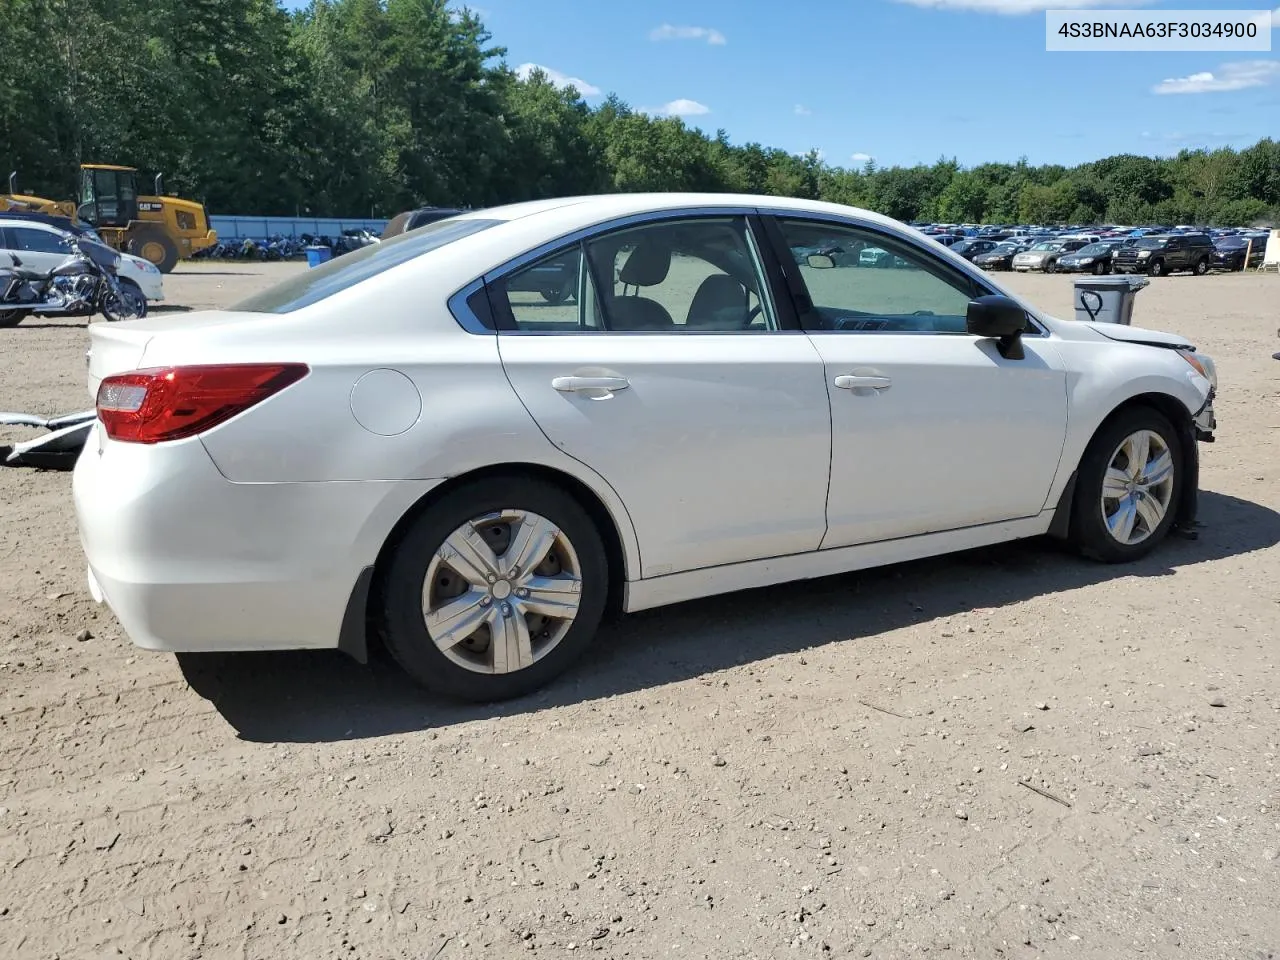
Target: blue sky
point(903, 81)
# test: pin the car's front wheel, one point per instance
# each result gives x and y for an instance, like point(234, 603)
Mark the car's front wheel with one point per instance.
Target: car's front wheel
point(494, 590)
point(1202, 267)
point(1128, 487)
point(1051, 266)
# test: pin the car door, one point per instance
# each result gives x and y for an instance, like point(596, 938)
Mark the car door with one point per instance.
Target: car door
point(38, 247)
point(670, 376)
point(932, 428)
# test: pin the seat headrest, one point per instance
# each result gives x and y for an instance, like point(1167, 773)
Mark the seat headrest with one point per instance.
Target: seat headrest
point(647, 264)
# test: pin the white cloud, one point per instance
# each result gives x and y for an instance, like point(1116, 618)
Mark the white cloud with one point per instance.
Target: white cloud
point(802, 110)
point(861, 157)
point(668, 32)
point(678, 108)
point(1230, 76)
point(558, 79)
point(1017, 7)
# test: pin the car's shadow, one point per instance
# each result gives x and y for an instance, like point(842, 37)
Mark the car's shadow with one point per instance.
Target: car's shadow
point(324, 696)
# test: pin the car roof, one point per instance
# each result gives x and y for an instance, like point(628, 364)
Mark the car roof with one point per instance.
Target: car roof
point(37, 220)
point(577, 212)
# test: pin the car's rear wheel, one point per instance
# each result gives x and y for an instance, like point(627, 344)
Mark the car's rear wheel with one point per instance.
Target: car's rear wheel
point(1202, 267)
point(1128, 487)
point(494, 590)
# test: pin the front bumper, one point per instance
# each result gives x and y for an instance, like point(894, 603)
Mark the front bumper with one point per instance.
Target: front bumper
point(1205, 421)
point(190, 561)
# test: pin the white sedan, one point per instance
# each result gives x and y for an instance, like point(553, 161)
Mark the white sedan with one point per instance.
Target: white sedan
point(42, 246)
point(412, 437)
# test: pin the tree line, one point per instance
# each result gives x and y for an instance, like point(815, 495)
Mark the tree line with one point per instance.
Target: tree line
point(370, 107)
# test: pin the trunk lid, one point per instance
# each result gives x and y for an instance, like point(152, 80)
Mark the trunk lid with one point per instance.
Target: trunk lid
point(120, 347)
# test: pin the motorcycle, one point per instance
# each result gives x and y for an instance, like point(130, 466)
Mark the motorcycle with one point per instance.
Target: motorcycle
point(85, 283)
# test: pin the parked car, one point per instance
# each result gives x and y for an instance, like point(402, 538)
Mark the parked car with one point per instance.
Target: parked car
point(1000, 257)
point(970, 248)
point(42, 246)
point(1167, 253)
point(412, 219)
point(1230, 252)
point(1092, 258)
point(395, 437)
point(1044, 255)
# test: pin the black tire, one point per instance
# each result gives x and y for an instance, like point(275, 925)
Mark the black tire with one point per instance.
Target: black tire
point(1089, 533)
point(1156, 269)
point(1099, 268)
point(1201, 267)
point(11, 318)
point(153, 244)
point(558, 295)
point(404, 629)
point(1051, 266)
point(137, 309)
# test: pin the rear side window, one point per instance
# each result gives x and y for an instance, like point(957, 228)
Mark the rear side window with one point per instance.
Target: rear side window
point(338, 274)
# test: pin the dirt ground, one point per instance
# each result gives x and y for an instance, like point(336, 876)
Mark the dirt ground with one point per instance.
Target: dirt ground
point(1008, 753)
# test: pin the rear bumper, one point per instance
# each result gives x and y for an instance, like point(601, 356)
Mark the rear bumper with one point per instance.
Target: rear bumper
point(189, 561)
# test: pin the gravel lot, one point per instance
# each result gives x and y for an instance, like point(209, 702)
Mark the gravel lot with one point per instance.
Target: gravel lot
point(1009, 753)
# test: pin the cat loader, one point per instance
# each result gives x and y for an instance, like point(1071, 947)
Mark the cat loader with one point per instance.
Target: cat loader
point(159, 228)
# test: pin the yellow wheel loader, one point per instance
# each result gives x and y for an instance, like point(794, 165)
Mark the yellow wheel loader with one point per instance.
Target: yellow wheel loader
point(158, 228)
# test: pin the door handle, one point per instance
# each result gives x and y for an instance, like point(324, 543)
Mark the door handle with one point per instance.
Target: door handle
point(589, 384)
point(847, 382)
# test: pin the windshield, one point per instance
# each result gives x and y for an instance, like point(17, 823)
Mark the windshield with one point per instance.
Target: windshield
point(1233, 242)
point(342, 272)
point(1007, 247)
point(1047, 245)
point(1151, 243)
point(964, 245)
point(1094, 250)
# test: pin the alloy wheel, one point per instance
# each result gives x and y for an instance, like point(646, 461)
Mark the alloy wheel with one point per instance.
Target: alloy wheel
point(1137, 489)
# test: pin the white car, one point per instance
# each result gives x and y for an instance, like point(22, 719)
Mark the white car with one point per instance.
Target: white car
point(42, 246)
point(411, 437)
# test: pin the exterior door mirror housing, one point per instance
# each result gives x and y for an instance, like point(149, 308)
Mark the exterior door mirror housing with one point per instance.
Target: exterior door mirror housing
point(999, 318)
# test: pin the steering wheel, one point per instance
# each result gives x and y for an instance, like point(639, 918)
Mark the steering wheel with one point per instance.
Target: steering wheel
point(751, 316)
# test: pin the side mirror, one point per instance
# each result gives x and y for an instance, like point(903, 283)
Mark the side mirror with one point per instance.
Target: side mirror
point(820, 261)
point(999, 318)
point(14, 258)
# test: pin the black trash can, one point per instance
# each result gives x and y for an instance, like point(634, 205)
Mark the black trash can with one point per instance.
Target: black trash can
point(1107, 299)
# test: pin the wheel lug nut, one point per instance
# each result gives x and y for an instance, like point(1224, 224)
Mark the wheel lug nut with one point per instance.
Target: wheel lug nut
point(485, 601)
point(506, 609)
point(492, 578)
point(522, 592)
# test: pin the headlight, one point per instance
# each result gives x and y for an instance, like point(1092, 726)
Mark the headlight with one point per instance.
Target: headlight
point(1202, 364)
point(1144, 253)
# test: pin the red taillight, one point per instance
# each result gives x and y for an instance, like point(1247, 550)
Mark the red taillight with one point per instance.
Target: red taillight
point(169, 403)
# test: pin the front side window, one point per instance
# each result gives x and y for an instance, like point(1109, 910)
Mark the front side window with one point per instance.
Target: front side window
point(915, 292)
point(698, 275)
